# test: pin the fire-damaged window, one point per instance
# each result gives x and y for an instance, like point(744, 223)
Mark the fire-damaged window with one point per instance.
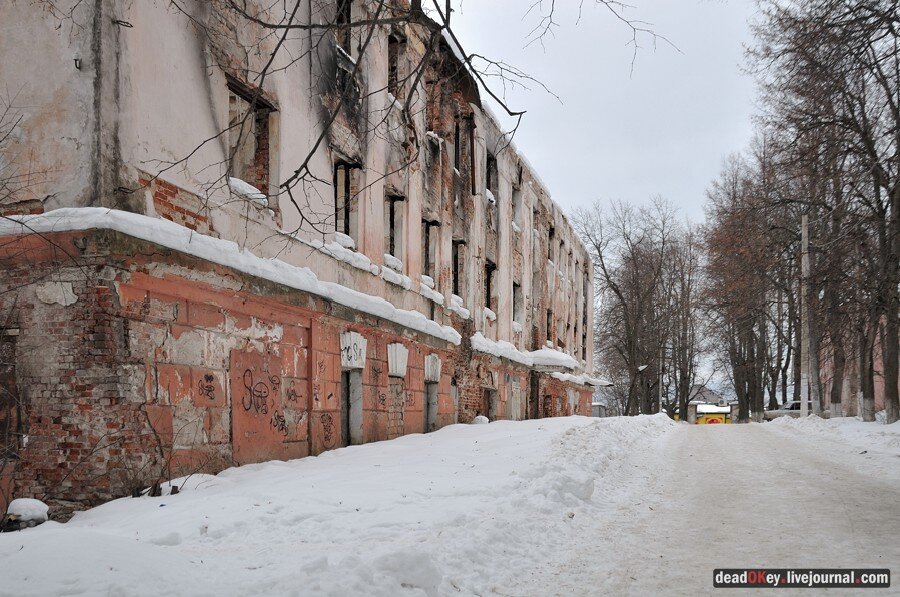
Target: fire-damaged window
point(491, 177)
point(561, 334)
point(10, 406)
point(429, 248)
point(457, 145)
point(550, 337)
point(550, 245)
point(248, 135)
point(396, 52)
point(346, 185)
point(489, 290)
point(518, 303)
point(393, 224)
point(342, 20)
point(458, 266)
point(517, 205)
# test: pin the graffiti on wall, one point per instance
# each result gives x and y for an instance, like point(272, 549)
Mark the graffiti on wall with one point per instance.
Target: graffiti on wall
point(351, 353)
point(256, 394)
point(328, 430)
point(279, 423)
point(292, 395)
point(206, 387)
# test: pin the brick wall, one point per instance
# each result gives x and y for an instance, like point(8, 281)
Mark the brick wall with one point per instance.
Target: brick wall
point(131, 373)
point(177, 205)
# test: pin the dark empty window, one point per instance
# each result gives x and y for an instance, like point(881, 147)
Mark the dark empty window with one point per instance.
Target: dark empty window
point(489, 268)
point(248, 135)
point(393, 224)
point(518, 304)
point(517, 206)
point(491, 175)
point(344, 195)
point(429, 246)
point(342, 20)
point(457, 150)
point(549, 326)
point(457, 266)
point(10, 407)
point(550, 245)
point(396, 51)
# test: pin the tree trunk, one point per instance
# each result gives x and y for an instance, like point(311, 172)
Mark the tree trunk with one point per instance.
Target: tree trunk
point(867, 377)
point(889, 340)
point(814, 380)
point(837, 381)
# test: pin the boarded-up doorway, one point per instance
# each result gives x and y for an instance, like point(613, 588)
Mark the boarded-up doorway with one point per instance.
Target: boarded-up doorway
point(396, 406)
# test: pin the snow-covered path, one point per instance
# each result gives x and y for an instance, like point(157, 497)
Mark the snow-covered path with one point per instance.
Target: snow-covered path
point(736, 496)
point(572, 506)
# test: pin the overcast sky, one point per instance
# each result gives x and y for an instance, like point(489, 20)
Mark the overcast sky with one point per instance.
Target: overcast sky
point(662, 129)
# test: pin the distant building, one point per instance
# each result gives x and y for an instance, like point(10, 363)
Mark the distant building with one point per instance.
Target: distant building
point(701, 394)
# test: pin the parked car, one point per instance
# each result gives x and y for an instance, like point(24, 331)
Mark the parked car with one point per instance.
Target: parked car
point(790, 408)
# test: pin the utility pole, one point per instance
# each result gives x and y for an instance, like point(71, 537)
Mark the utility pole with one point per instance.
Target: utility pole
point(804, 316)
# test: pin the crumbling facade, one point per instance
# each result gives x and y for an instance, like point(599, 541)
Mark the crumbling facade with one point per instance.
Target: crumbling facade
point(239, 244)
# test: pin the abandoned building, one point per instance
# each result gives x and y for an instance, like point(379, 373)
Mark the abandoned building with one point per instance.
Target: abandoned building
point(226, 242)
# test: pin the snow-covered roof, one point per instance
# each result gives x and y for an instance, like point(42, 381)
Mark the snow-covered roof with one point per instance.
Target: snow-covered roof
point(710, 409)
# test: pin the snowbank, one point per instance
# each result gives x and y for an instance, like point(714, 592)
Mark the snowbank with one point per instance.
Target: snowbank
point(848, 430)
point(465, 510)
point(222, 252)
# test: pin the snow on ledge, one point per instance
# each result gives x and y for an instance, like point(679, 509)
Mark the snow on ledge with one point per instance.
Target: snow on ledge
point(544, 357)
point(247, 190)
point(393, 262)
point(345, 241)
point(389, 275)
point(583, 379)
point(431, 294)
point(222, 252)
point(343, 254)
point(489, 314)
point(552, 358)
point(456, 306)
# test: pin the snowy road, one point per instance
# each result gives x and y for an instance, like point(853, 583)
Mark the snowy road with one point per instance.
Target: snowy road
point(738, 496)
point(574, 506)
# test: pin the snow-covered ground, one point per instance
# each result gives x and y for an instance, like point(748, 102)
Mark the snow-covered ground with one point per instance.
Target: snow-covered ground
point(848, 430)
point(464, 510)
point(571, 506)
point(816, 493)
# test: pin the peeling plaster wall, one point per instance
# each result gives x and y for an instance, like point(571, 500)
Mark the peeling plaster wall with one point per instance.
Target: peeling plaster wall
point(54, 140)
